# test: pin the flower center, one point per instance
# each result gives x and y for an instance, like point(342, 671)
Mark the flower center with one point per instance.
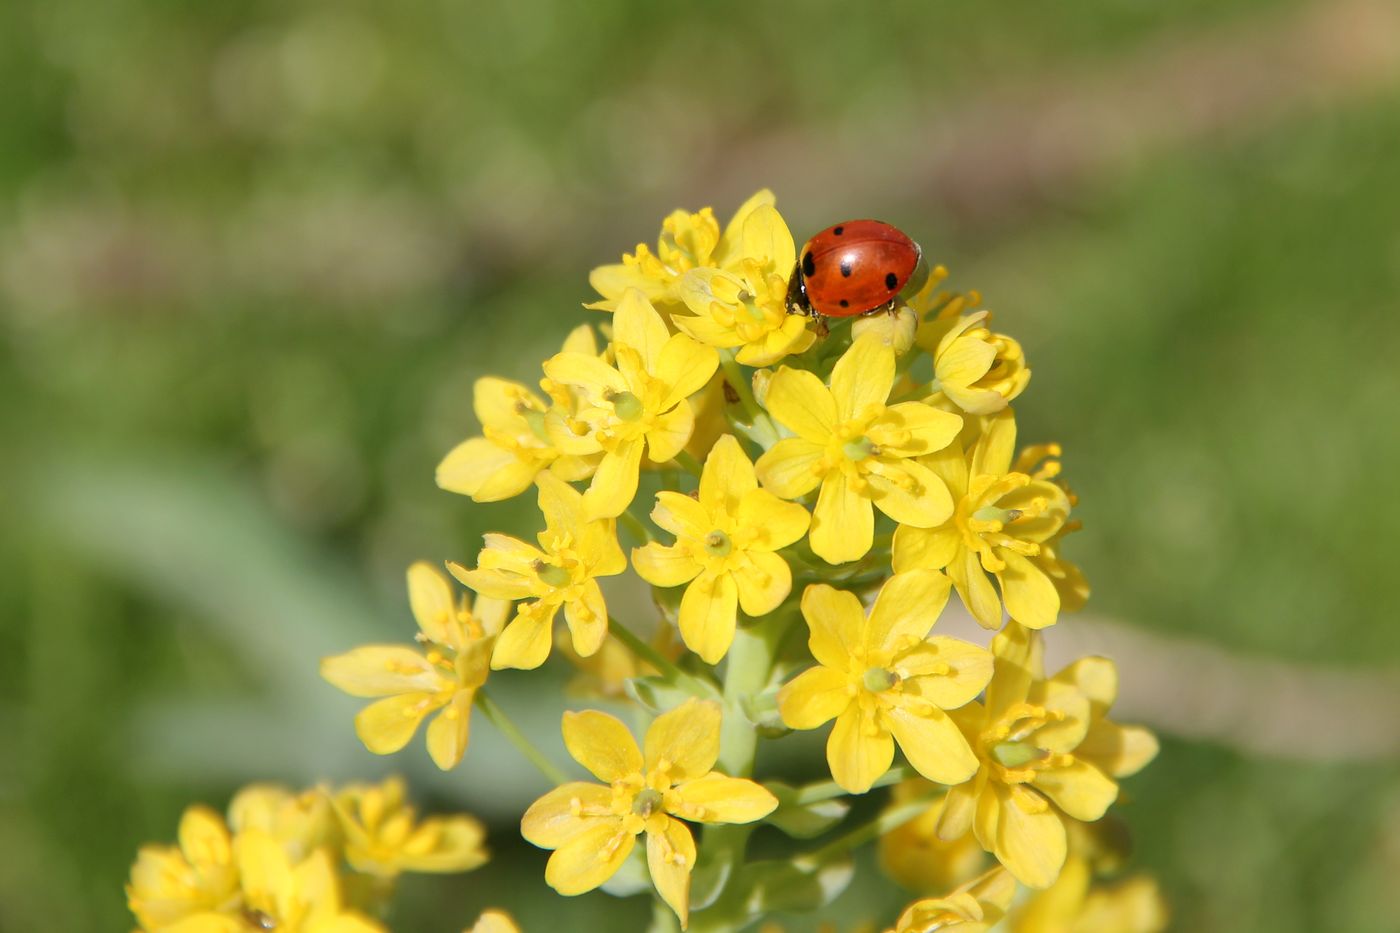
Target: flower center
point(627, 405)
point(647, 802)
point(551, 575)
point(535, 420)
point(717, 544)
point(858, 449)
point(993, 514)
point(878, 680)
point(1015, 754)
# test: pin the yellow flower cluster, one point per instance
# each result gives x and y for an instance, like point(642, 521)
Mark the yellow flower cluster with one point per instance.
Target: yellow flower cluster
point(315, 861)
point(803, 498)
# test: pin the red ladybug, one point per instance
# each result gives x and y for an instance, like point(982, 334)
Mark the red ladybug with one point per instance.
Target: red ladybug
point(851, 268)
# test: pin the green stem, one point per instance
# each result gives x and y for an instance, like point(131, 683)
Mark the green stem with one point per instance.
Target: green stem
point(891, 819)
point(646, 652)
point(742, 385)
point(522, 743)
point(634, 524)
point(826, 790)
point(688, 463)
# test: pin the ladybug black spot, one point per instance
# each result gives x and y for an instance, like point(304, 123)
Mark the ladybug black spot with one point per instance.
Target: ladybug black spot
point(808, 266)
point(838, 230)
point(846, 268)
point(891, 280)
point(845, 303)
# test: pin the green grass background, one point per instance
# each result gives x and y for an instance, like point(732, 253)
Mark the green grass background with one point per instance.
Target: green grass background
point(252, 256)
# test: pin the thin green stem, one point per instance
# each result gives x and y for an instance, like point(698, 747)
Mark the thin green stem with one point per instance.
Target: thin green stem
point(635, 525)
point(646, 652)
point(689, 463)
point(522, 743)
point(891, 819)
point(741, 384)
point(827, 790)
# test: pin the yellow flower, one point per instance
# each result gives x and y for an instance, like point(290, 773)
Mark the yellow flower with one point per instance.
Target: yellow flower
point(573, 552)
point(1046, 751)
point(515, 444)
point(639, 404)
point(975, 370)
point(744, 304)
point(688, 241)
point(384, 838)
point(199, 876)
point(724, 550)
point(1072, 905)
point(592, 828)
point(494, 921)
point(914, 855)
point(443, 674)
point(998, 526)
point(282, 894)
point(858, 449)
point(973, 908)
point(894, 329)
point(605, 674)
point(885, 680)
point(302, 822)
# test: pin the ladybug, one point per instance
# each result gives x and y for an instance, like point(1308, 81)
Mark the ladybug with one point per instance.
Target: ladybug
point(851, 268)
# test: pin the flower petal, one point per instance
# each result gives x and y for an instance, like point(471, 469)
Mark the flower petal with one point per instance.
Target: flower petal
point(670, 433)
point(948, 672)
point(1031, 598)
point(728, 476)
point(715, 798)
point(995, 448)
point(708, 615)
point(1029, 840)
point(975, 590)
point(812, 698)
point(614, 485)
point(381, 670)
point(1118, 751)
point(909, 492)
point(763, 584)
point(687, 738)
point(843, 523)
point(913, 429)
point(660, 565)
point(1081, 790)
point(933, 548)
point(430, 598)
point(637, 324)
point(589, 859)
point(670, 858)
point(449, 731)
point(799, 400)
point(524, 644)
point(681, 515)
point(684, 366)
point(862, 377)
point(385, 726)
point(933, 744)
point(859, 750)
point(587, 618)
point(905, 609)
point(836, 622)
point(766, 236)
point(585, 371)
point(602, 744)
point(792, 467)
point(958, 807)
point(565, 812)
point(777, 523)
point(485, 471)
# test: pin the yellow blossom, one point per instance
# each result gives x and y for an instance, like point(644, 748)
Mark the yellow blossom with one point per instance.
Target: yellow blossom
point(197, 877)
point(1073, 905)
point(914, 855)
point(885, 680)
point(724, 550)
point(562, 571)
point(383, 836)
point(302, 822)
point(282, 894)
point(640, 404)
point(860, 450)
point(688, 241)
point(592, 828)
point(975, 907)
point(895, 329)
point(494, 921)
point(975, 370)
point(442, 673)
point(1046, 751)
point(743, 306)
point(515, 444)
point(1000, 521)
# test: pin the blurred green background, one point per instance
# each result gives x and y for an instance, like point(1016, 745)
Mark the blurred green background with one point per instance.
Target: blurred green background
point(253, 255)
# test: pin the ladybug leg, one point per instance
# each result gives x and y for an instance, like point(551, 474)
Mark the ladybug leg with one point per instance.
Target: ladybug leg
point(821, 329)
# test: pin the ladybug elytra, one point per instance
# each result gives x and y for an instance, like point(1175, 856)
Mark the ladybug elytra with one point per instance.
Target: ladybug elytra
point(851, 268)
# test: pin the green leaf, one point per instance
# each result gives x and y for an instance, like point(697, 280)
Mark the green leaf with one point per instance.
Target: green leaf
point(803, 821)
